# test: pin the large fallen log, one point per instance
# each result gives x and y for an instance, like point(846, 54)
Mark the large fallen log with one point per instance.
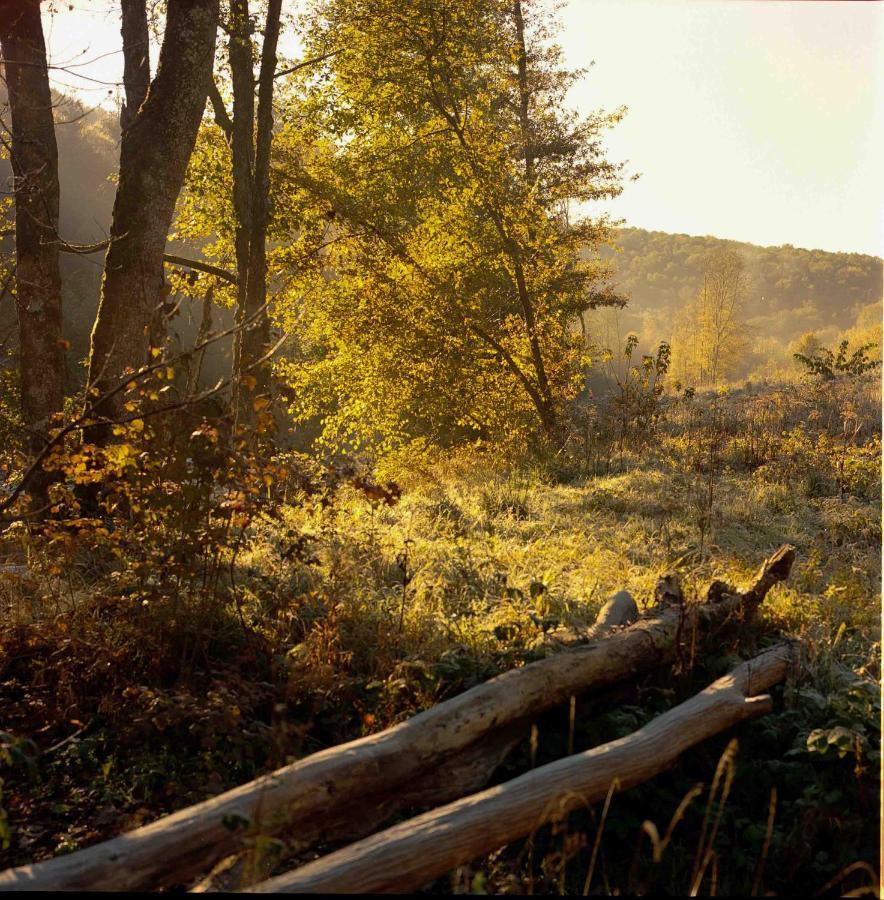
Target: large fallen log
point(462, 773)
point(334, 784)
point(414, 852)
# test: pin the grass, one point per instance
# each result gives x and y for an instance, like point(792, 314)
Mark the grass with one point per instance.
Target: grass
point(338, 618)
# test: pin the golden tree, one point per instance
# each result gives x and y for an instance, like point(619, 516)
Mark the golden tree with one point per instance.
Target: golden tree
point(710, 334)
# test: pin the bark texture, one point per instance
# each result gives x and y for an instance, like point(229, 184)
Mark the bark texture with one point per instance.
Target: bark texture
point(136, 59)
point(34, 158)
point(342, 780)
point(413, 853)
point(155, 151)
point(250, 143)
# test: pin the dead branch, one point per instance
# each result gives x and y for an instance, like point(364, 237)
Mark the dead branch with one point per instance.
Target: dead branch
point(322, 786)
point(409, 855)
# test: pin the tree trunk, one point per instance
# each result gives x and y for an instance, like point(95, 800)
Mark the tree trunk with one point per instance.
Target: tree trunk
point(155, 151)
point(252, 183)
point(415, 852)
point(136, 59)
point(242, 135)
point(34, 158)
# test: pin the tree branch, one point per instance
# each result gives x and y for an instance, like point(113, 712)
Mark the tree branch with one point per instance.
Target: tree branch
point(222, 117)
point(305, 64)
point(200, 266)
point(170, 258)
point(85, 418)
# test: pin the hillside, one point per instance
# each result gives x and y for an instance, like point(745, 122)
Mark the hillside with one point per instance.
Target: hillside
point(790, 290)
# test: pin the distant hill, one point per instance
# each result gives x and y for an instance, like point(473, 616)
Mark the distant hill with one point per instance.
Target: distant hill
point(790, 290)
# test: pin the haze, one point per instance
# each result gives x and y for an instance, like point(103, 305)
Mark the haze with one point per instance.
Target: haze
point(757, 121)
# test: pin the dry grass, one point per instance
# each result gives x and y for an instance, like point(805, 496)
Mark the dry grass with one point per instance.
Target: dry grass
point(340, 615)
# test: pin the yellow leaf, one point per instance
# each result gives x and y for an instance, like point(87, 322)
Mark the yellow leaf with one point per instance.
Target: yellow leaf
point(260, 403)
point(138, 425)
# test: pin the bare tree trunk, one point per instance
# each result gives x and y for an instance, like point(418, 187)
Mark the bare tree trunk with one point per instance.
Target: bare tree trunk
point(251, 184)
point(34, 157)
point(136, 58)
point(156, 148)
point(256, 342)
point(242, 150)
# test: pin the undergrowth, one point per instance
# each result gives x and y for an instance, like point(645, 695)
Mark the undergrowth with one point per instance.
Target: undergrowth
point(215, 613)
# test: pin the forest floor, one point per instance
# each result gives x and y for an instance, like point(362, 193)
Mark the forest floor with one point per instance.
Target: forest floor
point(347, 616)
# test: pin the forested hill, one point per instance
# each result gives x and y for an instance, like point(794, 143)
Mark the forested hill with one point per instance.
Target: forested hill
point(789, 290)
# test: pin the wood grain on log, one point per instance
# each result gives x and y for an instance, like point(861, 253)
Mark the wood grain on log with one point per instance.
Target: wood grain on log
point(319, 788)
point(462, 773)
point(415, 852)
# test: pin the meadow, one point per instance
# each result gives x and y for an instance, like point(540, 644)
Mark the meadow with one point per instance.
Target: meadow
point(332, 386)
point(338, 605)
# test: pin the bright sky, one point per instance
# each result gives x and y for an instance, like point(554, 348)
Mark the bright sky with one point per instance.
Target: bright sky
point(758, 120)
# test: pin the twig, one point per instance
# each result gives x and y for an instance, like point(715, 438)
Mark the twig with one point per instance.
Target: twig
point(85, 418)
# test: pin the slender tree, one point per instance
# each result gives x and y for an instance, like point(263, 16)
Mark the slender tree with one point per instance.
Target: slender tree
point(250, 139)
point(34, 158)
point(710, 332)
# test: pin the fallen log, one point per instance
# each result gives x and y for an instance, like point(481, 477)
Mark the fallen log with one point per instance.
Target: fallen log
point(413, 853)
point(330, 784)
point(465, 772)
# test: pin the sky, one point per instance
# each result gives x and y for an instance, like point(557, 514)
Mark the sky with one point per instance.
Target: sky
point(756, 120)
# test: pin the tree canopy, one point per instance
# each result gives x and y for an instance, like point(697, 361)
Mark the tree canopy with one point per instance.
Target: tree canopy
point(431, 164)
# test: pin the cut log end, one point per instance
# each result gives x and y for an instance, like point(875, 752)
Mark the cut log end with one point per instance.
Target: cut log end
point(780, 564)
point(775, 569)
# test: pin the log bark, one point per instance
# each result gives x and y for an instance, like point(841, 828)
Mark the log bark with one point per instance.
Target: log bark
point(462, 773)
point(155, 150)
point(415, 852)
point(34, 159)
point(321, 786)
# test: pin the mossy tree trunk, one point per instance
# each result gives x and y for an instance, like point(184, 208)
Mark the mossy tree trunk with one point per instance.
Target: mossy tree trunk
point(155, 150)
